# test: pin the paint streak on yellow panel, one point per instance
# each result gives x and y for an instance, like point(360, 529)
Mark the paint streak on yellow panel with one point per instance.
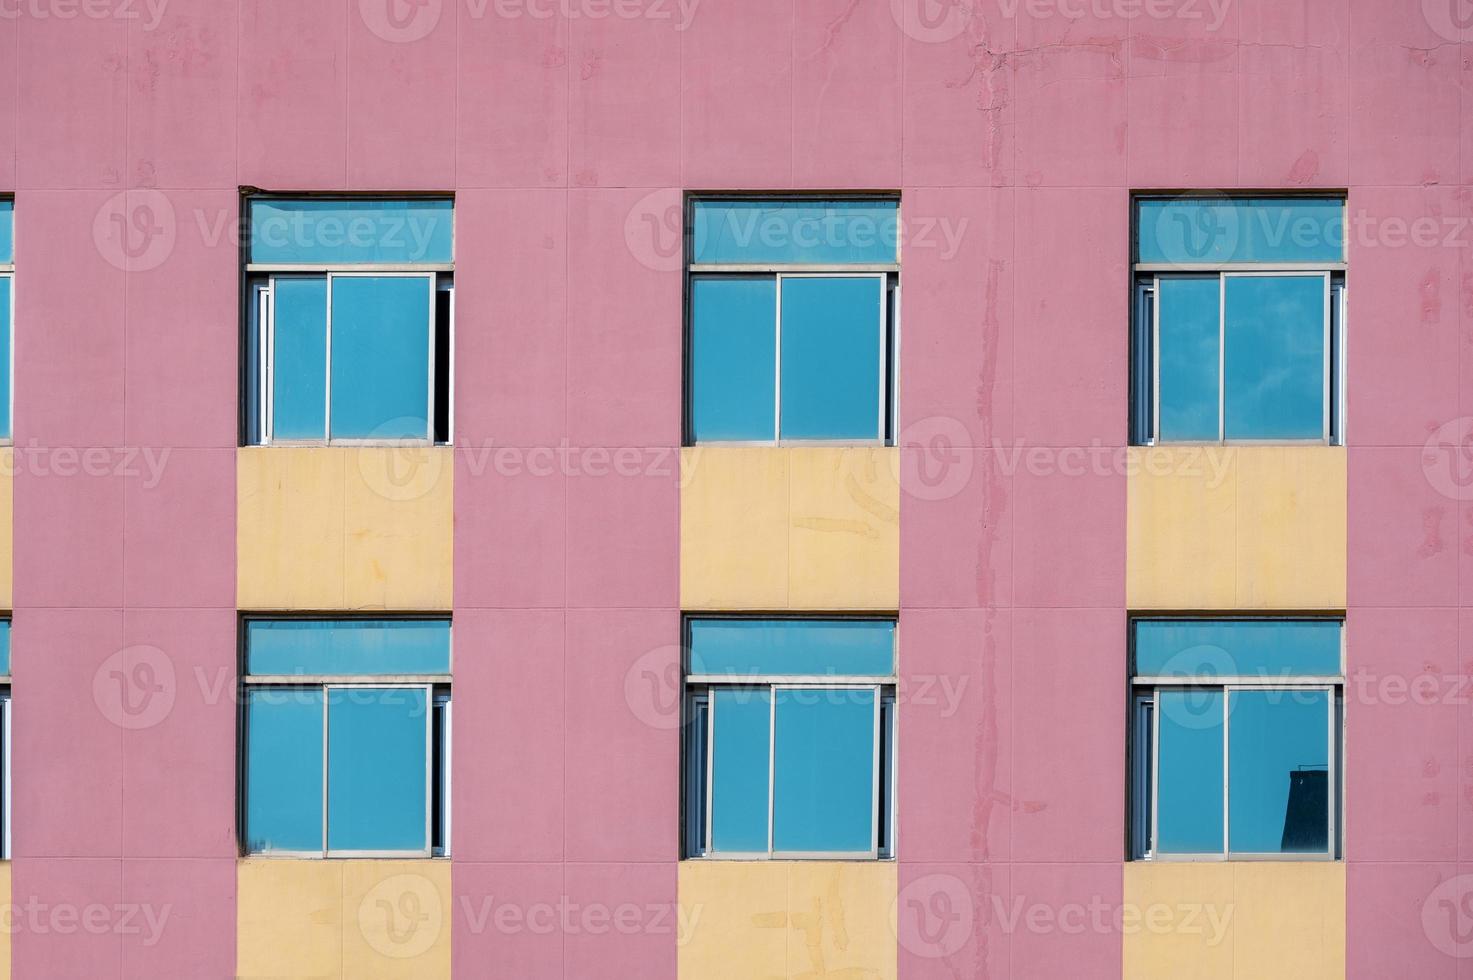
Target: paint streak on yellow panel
point(789, 528)
point(345, 920)
point(5, 932)
point(1240, 527)
point(1234, 921)
point(7, 533)
point(773, 920)
point(344, 528)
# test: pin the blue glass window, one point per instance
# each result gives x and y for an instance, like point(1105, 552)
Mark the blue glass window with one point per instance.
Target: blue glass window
point(1223, 351)
point(342, 349)
point(733, 363)
point(800, 347)
point(7, 231)
point(4, 646)
point(778, 762)
point(1229, 761)
point(7, 307)
point(376, 753)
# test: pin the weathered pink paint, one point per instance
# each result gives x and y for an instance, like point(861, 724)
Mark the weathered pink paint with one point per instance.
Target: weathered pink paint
point(1072, 931)
point(952, 920)
point(1384, 931)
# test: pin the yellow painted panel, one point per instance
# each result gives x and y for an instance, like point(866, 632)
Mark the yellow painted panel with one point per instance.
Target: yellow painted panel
point(396, 919)
point(1181, 528)
point(1178, 921)
point(344, 528)
point(844, 537)
point(759, 920)
point(399, 527)
point(290, 919)
point(736, 914)
point(5, 932)
point(7, 536)
point(1242, 527)
point(1291, 920)
point(1242, 920)
point(733, 528)
point(344, 920)
point(1293, 500)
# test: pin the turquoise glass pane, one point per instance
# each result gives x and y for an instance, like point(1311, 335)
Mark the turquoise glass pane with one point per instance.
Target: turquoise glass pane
point(299, 372)
point(1220, 230)
point(823, 771)
point(1274, 359)
point(778, 231)
point(739, 758)
point(792, 647)
point(284, 770)
point(323, 232)
point(381, 357)
point(7, 231)
point(1189, 773)
point(6, 298)
point(733, 360)
point(1279, 772)
point(1246, 648)
point(1188, 359)
point(831, 372)
point(376, 759)
point(347, 646)
point(4, 646)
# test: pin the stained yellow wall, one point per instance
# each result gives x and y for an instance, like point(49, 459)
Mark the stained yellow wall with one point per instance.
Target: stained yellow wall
point(7, 531)
point(743, 920)
point(350, 920)
point(344, 528)
point(1243, 527)
point(801, 528)
point(1249, 920)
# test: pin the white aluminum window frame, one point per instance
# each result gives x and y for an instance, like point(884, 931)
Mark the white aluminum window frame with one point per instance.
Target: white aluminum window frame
point(1332, 379)
point(263, 294)
point(5, 782)
point(1147, 686)
point(7, 272)
point(882, 688)
point(885, 273)
point(326, 683)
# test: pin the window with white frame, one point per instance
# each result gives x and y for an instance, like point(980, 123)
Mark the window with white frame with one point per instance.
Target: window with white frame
point(1239, 320)
point(790, 738)
point(5, 739)
point(1235, 738)
point(349, 320)
point(346, 737)
point(7, 316)
point(791, 315)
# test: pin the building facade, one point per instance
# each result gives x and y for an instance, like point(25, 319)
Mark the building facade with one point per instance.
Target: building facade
point(698, 489)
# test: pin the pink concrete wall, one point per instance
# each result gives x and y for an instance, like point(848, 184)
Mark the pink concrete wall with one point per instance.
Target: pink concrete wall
point(558, 135)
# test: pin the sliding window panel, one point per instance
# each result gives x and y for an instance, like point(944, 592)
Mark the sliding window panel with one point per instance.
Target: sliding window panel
point(381, 327)
point(824, 762)
point(1189, 772)
point(733, 359)
point(283, 804)
point(740, 750)
point(377, 775)
point(1274, 356)
point(1279, 771)
point(1189, 313)
point(832, 362)
point(299, 357)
